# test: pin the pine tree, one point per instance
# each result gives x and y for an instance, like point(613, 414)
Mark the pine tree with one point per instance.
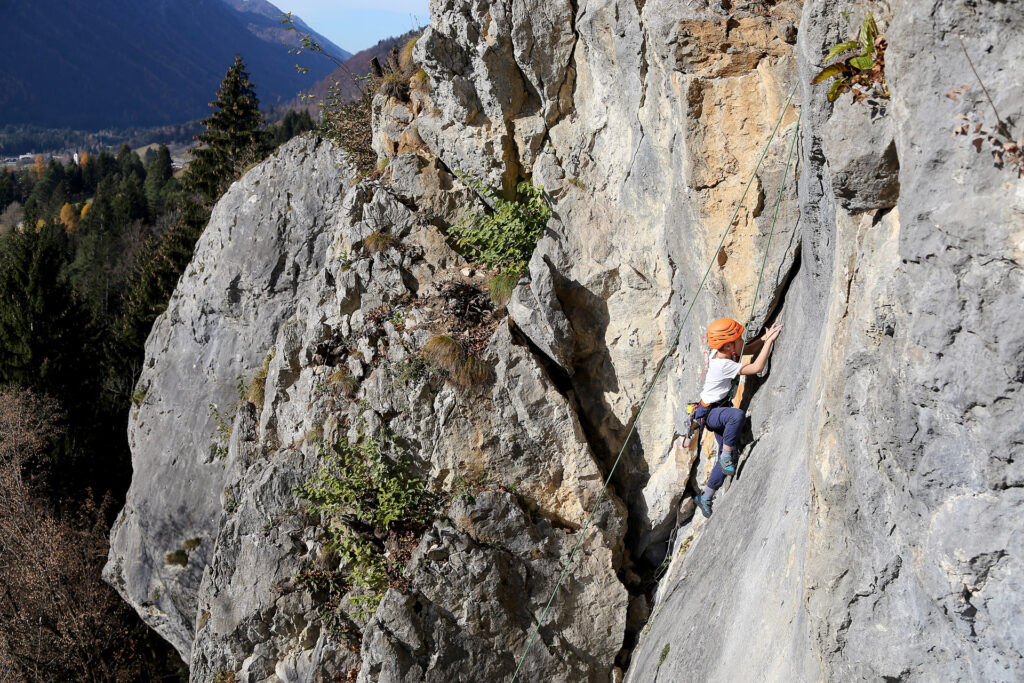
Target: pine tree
point(44, 331)
point(158, 173)
point(6, 189)
point(130, 163)
point(232, 138)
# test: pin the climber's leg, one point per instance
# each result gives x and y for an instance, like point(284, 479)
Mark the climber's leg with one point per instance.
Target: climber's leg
point(728, 422)
point(714, 483)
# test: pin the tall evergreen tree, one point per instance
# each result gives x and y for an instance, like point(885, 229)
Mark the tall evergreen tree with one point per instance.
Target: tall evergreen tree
point(233, 135)
point(7, 189)
point(130, 163)
point(44, 331)
point(158, 173)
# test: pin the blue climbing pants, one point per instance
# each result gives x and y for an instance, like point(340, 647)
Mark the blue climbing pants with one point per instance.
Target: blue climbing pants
point(726, 423)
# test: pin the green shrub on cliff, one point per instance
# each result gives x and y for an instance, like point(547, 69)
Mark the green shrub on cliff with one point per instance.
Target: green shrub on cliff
point(363, 493)
point(365, 482)
point(505, 235)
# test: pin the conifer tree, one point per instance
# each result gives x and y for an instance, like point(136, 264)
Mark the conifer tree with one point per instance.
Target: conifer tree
point(159, 173)
point(6, 190)
point(44, 331)
point(232, 137)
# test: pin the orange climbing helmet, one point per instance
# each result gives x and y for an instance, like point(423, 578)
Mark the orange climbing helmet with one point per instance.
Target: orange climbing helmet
point(723, 331)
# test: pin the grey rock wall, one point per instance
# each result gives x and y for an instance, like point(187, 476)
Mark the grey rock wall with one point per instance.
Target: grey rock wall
point(265, 244)
point(899, 527)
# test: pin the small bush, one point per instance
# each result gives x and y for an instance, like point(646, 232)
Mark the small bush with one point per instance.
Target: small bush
point(368, 574)
point(191, 544)
point(349, 124)
point(448, 354)
point(412, 369)
point(177, 557)
point(502, 285)
point(222, 434)
point(362, 484)
point(505, 236)
point(379, 241)
point(225, 676)
point(367, 482)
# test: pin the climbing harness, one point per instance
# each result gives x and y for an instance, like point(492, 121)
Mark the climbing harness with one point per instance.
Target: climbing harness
point(654, 382)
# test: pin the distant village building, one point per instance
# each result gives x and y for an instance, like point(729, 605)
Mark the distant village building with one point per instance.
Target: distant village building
point(77, 160)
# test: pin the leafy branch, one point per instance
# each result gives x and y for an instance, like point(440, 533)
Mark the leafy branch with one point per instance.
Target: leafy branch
point(866, 68)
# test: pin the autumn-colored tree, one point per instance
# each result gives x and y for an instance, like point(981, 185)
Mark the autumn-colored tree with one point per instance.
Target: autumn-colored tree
point(69, 217)
point(83, 159)
point(39, 167)
point(85, 211)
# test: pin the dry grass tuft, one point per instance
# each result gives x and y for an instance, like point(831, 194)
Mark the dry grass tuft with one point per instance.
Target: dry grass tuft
point(258, 386)
point(469, 371)
point(344, 381)
point(443, 351)
point(463, 369)
point(394, 85)
point(502, 285)
point(379, 241)
point(405, 58)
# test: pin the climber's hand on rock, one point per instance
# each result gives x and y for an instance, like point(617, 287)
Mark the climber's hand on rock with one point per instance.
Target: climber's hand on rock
point(772, 333)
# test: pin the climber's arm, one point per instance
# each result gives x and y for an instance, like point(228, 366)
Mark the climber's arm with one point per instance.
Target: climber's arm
point(766, 349)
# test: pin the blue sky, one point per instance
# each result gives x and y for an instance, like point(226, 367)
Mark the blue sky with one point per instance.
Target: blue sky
point(357, 24)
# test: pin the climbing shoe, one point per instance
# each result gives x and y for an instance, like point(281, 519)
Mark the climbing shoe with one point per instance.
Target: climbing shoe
point(704, 504)
point(727, 461)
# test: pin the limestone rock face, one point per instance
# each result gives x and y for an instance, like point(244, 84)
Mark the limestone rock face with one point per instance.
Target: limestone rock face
point(882, 494)
point(644, 170)
point(265, 245)
point(477, 584)
point(332, 359)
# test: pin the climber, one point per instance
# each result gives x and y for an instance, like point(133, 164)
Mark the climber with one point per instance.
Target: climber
point(714, 411)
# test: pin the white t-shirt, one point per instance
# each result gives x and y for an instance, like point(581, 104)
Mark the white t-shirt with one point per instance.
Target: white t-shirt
point(720, 374)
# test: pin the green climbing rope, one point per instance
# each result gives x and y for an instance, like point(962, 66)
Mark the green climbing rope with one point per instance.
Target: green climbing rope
point(650, 390)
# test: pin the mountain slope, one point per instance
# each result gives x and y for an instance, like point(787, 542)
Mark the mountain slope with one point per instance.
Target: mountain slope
point(265, 23)
point(126, 63)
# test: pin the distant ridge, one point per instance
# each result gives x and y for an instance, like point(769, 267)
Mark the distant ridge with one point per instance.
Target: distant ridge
point(276, 33)
point(140, 63)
